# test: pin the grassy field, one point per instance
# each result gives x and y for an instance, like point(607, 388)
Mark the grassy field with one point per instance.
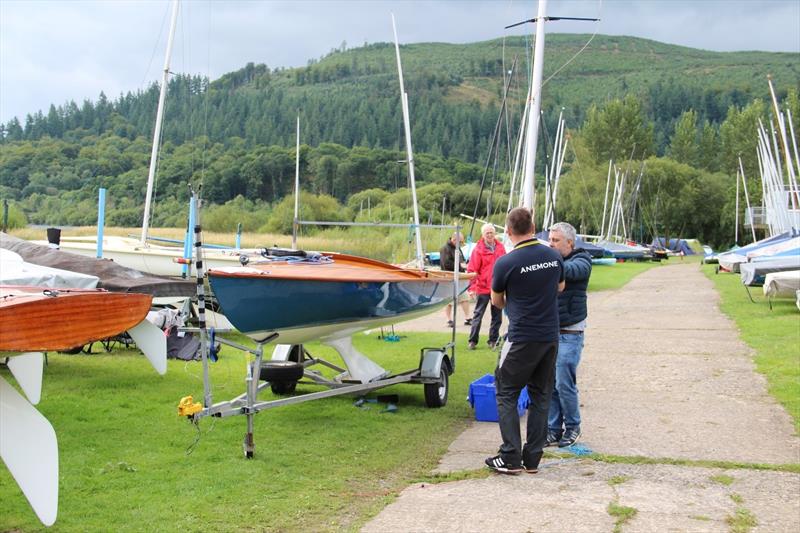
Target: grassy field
point(319, 466)
point(773, 334)
point(607, 277)
point(125, 461)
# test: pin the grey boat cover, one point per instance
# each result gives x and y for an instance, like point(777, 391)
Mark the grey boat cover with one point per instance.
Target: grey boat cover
point(113, 277)
point(782, 284)
point(753, 273)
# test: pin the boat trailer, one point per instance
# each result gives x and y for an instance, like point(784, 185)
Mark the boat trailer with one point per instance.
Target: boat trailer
point(291, 364)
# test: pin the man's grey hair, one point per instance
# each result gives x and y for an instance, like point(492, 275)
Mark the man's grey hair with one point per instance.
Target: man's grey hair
point(566, 229)
point(487, 226)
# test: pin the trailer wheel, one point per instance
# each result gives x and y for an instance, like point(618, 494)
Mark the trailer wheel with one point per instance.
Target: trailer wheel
point(436, 393)
point(282, 387)
point(281, 371)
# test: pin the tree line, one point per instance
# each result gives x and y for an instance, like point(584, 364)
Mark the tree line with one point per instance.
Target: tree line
point(688, 192)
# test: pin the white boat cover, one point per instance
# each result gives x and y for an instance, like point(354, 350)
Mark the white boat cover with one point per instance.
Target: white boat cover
point(731, 259)
point(752, 273)
point(15, 271)
point(774, 249)
point(782, 284)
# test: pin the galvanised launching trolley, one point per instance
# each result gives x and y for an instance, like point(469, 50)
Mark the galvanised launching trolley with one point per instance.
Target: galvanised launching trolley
point(286, 298)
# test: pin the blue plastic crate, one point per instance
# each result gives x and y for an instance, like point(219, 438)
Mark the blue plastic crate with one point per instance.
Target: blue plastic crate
point(482, 398)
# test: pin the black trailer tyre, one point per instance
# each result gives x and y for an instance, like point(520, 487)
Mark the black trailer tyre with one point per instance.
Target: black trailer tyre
point(436, 393)
point(281, 371)
point(282, 387)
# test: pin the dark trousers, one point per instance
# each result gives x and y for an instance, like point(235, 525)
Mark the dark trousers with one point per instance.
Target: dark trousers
point(497, 318)
point(531, 365)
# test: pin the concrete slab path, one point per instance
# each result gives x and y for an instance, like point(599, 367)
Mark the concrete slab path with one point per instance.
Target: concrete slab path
point(663, 376)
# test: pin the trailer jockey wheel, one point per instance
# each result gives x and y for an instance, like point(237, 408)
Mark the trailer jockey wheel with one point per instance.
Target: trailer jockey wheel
point(282, 375)
point(436, 393)
point(282, 387)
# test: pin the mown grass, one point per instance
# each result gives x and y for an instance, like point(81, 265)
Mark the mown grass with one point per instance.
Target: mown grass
point(608, 277)
point(773, 334)
point(702, 463)
point(319, 466)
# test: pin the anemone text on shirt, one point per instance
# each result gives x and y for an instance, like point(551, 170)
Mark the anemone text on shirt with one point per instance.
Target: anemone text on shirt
point(538, 266)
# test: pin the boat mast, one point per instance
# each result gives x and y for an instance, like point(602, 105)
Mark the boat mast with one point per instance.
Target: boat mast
point(409, 153)
point(535, 108)
point(296, 187)
point(747, 200)
point(736, 223)
point(605, 202)
point(159, 119)
point(787, 154)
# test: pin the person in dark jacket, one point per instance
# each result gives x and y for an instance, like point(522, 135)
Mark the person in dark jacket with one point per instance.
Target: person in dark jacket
point(525, 282)
point(481, 261)
point(447, 261)
point(564, 420)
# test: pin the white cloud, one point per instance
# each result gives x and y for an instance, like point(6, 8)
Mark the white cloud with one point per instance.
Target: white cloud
point(55, 51)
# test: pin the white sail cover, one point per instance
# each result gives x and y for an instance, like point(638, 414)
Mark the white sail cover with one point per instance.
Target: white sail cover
point(15, 271)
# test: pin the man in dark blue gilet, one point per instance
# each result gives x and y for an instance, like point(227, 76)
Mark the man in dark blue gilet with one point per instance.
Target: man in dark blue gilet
point(525, 282)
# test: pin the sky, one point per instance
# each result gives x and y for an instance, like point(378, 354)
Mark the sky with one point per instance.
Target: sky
point(53, 51)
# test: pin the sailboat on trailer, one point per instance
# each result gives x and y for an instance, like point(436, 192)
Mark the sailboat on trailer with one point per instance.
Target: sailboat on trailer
point(304, 296)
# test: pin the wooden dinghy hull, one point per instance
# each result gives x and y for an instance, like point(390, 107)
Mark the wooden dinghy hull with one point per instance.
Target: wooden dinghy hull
point(40, 319)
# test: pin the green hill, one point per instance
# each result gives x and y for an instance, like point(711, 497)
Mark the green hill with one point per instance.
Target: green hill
point(351, 97)
point(236, 134)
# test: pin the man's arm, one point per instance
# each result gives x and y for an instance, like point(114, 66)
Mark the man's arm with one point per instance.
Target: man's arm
point(499, 299)
point(578, 268)
point(561, 285)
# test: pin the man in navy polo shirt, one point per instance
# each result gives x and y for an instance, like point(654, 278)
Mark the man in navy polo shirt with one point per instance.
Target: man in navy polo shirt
point(525, 282)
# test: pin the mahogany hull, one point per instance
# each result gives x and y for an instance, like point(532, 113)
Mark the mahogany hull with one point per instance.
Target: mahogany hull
point(37, 319)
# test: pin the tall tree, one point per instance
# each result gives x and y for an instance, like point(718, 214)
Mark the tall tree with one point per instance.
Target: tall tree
point(683, 145)
point(739, 138)
point(618, 130)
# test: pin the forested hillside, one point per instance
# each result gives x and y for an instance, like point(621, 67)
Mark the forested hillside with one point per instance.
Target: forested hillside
point(236, 134)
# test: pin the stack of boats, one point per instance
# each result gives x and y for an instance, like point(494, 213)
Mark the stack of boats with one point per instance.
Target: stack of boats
point(773, 262)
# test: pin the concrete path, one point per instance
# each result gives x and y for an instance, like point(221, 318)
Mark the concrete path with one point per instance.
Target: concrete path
point(663, 376)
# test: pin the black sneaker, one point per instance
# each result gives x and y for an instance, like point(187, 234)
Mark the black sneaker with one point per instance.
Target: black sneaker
point(471, 346)
point(552, 439)
point(530, 469)
point(450, 324)
point(498, 464)
point(491, 345)
point(569, 438)
point(468, 322)
point(531, 463)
